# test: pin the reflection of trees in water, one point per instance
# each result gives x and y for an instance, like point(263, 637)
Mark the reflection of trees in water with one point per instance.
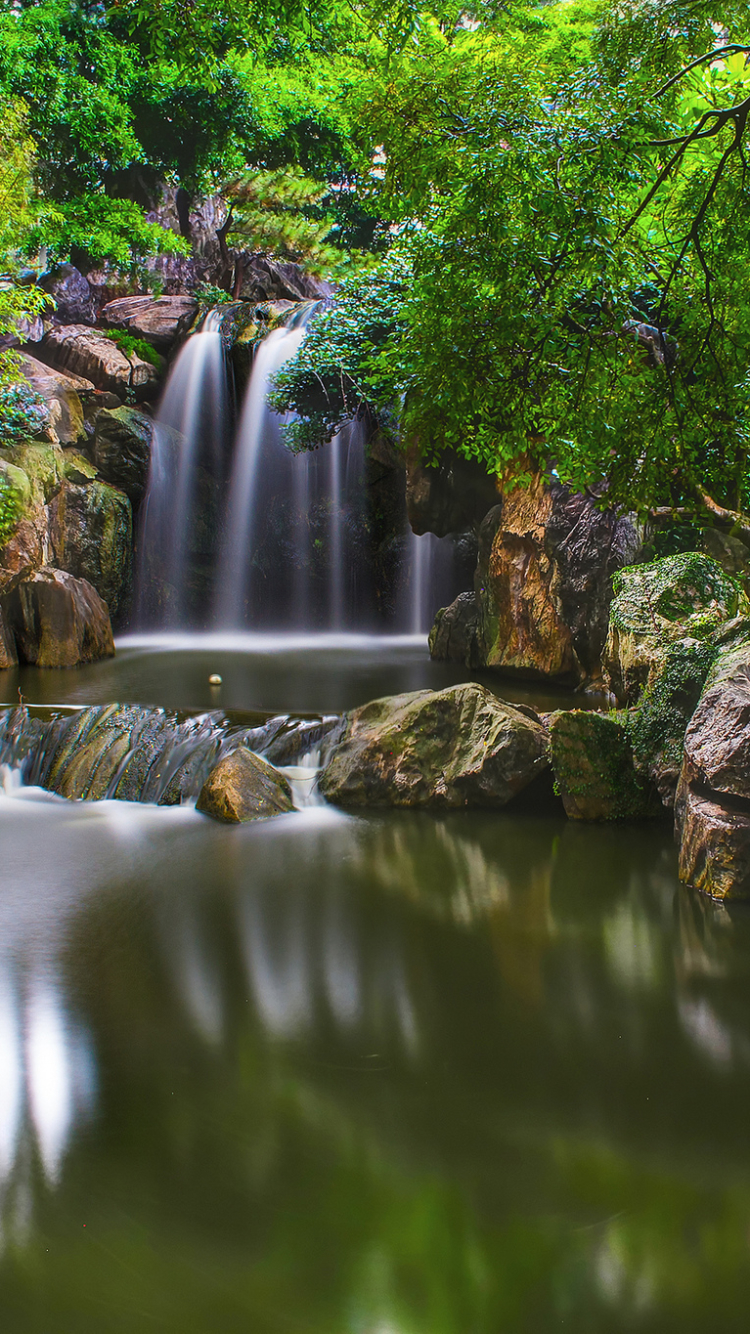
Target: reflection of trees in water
point(402, 1073)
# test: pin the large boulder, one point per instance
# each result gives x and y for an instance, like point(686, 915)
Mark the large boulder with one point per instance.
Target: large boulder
point(62, 396)
point(448, 748)
point(160, 320)
point(58, 621)
point(88, 352)
point(657, 725)
point(91, 529)
point(122, 449)
point(274, 280)
point(681, 597)
point(74, 299)
point(544, 581)
point(453, 637)
point(592, 761)
point(242, 787)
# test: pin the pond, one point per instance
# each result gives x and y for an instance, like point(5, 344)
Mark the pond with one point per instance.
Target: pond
point(391, 1074)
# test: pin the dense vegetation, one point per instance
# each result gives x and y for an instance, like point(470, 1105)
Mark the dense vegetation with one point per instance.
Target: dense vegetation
point(539, 212)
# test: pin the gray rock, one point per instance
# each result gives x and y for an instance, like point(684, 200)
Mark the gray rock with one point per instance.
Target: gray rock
point(453, 495)
point(160, 320)
point(448, 748)
point(244, 787)
point(74, 300)
point(87, 352)
point(453, 637)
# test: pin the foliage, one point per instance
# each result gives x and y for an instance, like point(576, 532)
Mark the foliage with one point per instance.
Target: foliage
point(22, 412)
point(10, 508)
point(96, 229)
point(131, 345)
point(279, 212)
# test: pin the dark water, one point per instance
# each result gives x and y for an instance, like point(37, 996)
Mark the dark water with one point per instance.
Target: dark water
point(278, 674)
point(479, 1074)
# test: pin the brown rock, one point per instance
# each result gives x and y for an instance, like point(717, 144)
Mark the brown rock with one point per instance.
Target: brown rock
point(62, 394)
point(87, 352)
point(454, 494)
point(243, 787)
point(8, 655)
point(161, 320)
point(714, 845)
point(58, 621)
point(445, 748)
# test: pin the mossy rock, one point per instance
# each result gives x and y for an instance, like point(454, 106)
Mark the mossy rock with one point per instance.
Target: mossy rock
point(657, 726)
point(681, 597)
point(592, 760)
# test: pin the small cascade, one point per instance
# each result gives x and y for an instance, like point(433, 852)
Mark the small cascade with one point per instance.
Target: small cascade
point(429, 580)
point(187, 453)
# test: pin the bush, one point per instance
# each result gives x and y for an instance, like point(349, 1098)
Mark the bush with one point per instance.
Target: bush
point(10, 509)
point(22, 413)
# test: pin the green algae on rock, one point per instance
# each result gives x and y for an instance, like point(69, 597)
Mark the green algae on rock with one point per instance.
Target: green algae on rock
point(592, 761)
point(447, 748)
point(687, 596)
point(657, 725)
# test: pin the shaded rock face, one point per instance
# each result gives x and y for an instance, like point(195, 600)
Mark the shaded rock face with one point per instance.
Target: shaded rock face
point(544, 581)
point(592, 761)
point(86, 352)
point(657, 725)
point(454, 495)
point(122, 449)
point(74, 299)
point(58, 621)
point(8, 654)
point(453, 637)
point(271, 280)
point(679, 597)
point(244, 787)
point(62, 395)
point(160, 320)
point(441, 749)
point(91, 528)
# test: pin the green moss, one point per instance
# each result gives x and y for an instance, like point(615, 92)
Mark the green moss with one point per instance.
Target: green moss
point(657, 726)
point(690, 589)
point(130, 346)
point(11, 506)
point(592, 761)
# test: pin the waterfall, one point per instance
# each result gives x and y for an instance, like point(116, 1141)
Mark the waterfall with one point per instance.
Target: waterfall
point(286, 560)
point(186, 455)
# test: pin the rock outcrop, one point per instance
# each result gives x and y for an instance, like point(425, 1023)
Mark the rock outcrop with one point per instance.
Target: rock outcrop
point(448, 497)
point(449, 748)
point(676, 598)
point(91, 529)
point(72, 295)
point(58, 621)
point(62, 395)
point(122, 449)
point(544, 581)
point(453, 637)
point(592, 761)
point(160, 320)
point(244, 787)
point(89, 353)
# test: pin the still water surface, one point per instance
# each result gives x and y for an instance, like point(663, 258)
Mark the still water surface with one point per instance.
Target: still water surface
point(399, 1074)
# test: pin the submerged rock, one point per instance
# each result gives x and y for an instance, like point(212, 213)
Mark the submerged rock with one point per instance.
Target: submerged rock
point(453, 637)
point(544, 581)
point(676, 598)
point(244, 787)
point(446, 748)
point(58, 621)
point(592, 761)
point(122, 449)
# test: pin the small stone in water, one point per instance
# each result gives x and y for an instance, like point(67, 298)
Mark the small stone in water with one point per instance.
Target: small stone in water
point(214, 680)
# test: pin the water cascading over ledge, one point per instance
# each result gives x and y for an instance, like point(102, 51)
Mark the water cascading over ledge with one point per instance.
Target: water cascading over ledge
point(268, 539)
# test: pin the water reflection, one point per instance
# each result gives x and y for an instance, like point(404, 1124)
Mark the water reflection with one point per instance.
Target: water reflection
point(396, 1073)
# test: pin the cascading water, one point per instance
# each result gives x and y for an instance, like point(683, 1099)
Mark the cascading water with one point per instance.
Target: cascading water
point(188, 445)
point(289, 554)
point(429, 574)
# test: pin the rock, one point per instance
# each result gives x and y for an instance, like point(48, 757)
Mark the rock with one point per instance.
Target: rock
point(87, 352)
point(8, 654)
point(453, 637)
point(91, 529)
point(160, 320)
point(657, 725)
point(122, 449)
point(678, 597)
point(592, 761)
point(273, 280)
point(62, 395)
point(544, 581)
point(714, 845)
point(58, 621)
point(456, 747)
point(454, 494)
point(243, 787)
point(74, 300)
point(729, 552)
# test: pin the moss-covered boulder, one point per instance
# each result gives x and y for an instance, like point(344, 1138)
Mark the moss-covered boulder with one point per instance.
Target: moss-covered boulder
point(242, 787)
point(681, 597)
point(657, 725)
point(592, 761)
point(122, 449)
point(445, 748)
point(91, 530)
